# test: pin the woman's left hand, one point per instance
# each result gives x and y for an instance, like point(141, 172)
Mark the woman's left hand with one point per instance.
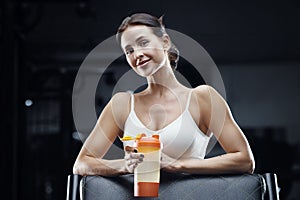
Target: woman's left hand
point(170, 164)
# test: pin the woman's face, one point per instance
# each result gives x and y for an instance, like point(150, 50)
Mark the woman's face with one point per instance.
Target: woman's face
point(145, 52)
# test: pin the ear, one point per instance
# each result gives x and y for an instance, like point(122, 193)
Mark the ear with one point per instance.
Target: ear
point(166, 42)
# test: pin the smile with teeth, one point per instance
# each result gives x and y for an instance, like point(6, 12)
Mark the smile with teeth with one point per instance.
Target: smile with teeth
point(141, 63)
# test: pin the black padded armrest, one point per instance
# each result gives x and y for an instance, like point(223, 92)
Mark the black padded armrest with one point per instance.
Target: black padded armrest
point(272, 187)
point(177, 186)
point(73, 187)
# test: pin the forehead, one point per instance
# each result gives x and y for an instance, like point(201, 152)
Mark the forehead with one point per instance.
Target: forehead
point(133, 32)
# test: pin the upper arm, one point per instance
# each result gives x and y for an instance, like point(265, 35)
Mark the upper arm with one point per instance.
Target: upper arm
point(219, 120)
point(109, 125)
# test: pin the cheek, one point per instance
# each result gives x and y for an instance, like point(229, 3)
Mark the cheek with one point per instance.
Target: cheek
point(159, 54)
point(129, 60)
point(157, 48)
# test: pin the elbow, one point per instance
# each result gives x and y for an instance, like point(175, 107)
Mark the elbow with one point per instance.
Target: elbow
point(76, 169)
point(249, 166)
point(245, 164)
point(80, 168)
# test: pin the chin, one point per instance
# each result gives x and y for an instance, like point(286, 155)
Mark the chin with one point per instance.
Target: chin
point(145, 72)
point(149, 69)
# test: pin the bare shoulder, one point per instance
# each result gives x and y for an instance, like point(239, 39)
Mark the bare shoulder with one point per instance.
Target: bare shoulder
point(120, 105)
point(203, 92)
point(213, 107)
point(120, 100)
point(120, 97)
point(207, 92)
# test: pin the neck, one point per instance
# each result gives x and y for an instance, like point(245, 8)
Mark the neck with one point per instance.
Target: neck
point(161, 80)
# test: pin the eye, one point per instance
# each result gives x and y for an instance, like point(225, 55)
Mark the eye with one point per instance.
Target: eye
point(129, 51)
point(143, 43)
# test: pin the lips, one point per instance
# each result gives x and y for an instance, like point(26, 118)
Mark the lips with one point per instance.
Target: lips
point(142, 62)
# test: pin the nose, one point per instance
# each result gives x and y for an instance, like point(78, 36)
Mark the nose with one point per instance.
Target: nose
point(138, 53)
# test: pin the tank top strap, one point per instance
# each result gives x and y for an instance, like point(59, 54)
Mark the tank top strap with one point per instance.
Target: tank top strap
point(132, 102)
point(188, 100)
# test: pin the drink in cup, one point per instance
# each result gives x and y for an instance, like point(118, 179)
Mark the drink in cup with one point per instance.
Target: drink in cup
point(147, 173)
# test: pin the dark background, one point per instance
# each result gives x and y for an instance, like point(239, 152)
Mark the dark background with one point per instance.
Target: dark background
point(255, 45)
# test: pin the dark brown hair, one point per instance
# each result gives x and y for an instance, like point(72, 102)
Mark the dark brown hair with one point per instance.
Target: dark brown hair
point(157, 27)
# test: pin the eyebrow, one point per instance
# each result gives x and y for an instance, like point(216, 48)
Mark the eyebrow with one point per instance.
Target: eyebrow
point(139, 38)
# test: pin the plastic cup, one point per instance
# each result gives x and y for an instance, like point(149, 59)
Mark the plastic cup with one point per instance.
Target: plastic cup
point(147, 173)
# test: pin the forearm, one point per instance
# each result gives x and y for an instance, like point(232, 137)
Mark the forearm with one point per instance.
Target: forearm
point(94, 166)
point(224, 164)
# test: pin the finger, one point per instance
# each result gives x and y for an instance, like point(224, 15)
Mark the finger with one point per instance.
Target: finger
point(131, 162)
point(134, 161)
point(139, 160)
point(130, 149)
point(133, 156)
point(137, 155)
point(132, 167)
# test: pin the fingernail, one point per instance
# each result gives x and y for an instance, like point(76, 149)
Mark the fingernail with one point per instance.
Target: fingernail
point(142, 155)
point(140, 159)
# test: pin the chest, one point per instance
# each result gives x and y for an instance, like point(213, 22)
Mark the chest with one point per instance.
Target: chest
point(159, 114)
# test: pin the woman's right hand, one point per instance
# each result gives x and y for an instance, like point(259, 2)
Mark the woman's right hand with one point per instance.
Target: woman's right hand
point(132, 158)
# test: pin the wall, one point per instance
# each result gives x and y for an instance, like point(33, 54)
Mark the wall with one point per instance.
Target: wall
point(265, 94)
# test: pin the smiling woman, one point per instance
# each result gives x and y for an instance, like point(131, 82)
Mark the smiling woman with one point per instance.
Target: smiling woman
point(156, 26)
point(185, 118)
point(145, 54)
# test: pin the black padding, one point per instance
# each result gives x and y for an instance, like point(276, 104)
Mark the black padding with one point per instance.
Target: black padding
point(72, 187)
point(178, 186)
point(272, 187)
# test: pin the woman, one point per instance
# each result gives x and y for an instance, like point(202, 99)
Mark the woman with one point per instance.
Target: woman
point(185, 118)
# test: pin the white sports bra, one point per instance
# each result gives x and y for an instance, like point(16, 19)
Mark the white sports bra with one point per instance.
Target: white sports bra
point(182, 138)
